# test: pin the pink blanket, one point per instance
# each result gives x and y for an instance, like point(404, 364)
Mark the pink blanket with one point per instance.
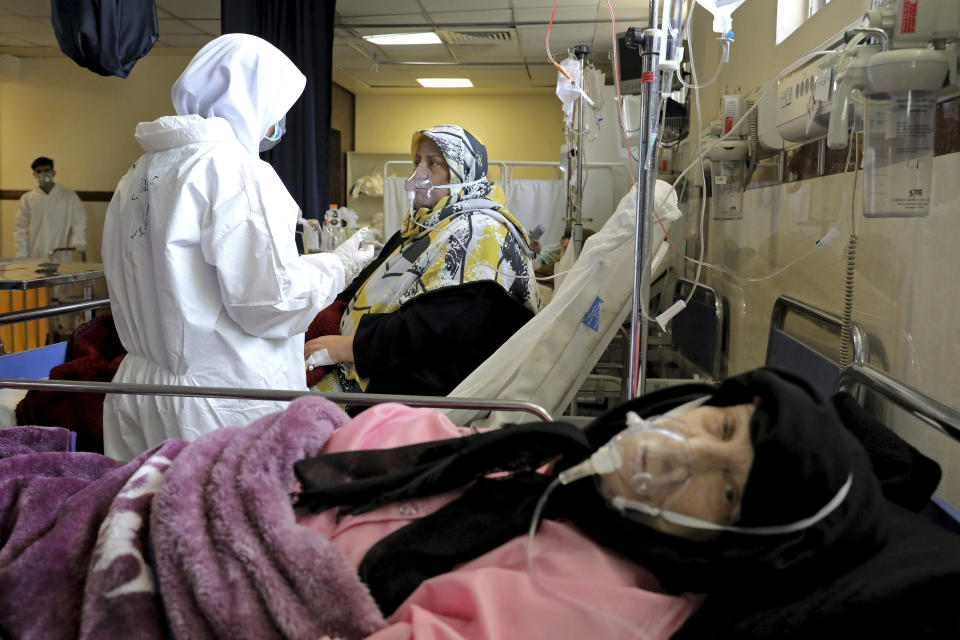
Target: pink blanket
point(494, 596)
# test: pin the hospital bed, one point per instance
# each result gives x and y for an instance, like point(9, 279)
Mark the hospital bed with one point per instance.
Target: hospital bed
point(810, 349)
point(696, 339)
point(34, 363)
point(550, 357)
point(927, 424)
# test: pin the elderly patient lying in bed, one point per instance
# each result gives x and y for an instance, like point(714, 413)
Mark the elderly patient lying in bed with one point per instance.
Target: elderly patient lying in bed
point(753, 515)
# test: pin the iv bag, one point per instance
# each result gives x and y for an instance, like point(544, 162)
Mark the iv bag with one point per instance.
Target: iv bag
point(721, 10)
point(593, 80)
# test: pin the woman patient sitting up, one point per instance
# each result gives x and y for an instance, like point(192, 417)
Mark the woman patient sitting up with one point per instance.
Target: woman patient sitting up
point(446, 290)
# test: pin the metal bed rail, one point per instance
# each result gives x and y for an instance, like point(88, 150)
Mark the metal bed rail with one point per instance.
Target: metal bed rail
point(364, 399)
point(786, 304)
point(938, 415)
point(14, 317)
point(501, 165)
point(507, 166)
point(53, 310)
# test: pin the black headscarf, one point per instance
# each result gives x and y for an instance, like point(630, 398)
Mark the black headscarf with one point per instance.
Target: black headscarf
point(802, 458)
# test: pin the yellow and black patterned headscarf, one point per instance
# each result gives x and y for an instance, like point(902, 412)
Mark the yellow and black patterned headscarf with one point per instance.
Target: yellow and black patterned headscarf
point(466, 237)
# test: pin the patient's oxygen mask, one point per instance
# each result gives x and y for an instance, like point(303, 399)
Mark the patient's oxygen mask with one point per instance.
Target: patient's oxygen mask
point(651, 456)
point(654, 459)
point(420, 184)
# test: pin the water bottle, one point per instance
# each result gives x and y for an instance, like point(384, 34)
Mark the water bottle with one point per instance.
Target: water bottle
point(331, 222)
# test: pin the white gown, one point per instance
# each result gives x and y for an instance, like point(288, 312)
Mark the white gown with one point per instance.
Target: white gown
point(205, 282)
point(48, 221)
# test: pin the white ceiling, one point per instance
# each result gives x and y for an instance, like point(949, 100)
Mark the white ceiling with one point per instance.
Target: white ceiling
point(517, 60)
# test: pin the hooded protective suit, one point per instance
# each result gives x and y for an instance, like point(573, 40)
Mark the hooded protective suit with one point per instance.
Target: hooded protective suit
point(206, 285)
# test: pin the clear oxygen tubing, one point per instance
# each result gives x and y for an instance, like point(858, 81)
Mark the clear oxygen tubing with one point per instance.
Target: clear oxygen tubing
point(531, 569)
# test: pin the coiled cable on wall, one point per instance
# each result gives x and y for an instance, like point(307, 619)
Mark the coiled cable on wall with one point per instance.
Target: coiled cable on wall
point(849, 274)
point(849, 268)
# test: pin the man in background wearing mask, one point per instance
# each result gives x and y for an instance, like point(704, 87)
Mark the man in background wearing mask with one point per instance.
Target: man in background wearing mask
point(49, 217)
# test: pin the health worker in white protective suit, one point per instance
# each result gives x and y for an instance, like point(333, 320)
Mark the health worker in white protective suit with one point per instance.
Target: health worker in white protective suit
point(205, 282)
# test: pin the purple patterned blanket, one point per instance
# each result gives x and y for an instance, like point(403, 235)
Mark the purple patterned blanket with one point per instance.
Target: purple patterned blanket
point(188, 540)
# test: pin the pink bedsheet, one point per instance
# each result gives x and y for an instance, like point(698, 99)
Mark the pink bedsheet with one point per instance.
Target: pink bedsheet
point(494, 596)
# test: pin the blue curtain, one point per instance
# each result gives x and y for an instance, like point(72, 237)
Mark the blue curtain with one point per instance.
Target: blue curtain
point(303, 30)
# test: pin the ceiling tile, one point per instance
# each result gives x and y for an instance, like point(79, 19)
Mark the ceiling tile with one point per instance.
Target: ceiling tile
point(194, 9)
point(384, 78)
point(16, 24)
point(564, 12)
point(418, 53)
point(463, 5)
point(497, 52)
point(499, 76)
point(27, 8)
point(377, 7)
point(172, 27)
point(467, 18)
point(387, 20)
point(445, 71)
point(197, 40)
point(207, 26)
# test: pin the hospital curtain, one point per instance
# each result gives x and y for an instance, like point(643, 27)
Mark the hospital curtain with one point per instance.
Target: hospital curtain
point(303, 30)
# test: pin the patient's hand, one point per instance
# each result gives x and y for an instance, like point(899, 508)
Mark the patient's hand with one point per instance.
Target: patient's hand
point(340, 348)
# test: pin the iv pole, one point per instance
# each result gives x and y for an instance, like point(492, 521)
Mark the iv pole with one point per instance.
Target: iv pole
point(650, 46)
point(581, 51)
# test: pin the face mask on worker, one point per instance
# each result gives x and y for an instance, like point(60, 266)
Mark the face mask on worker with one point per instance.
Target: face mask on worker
point(270, 141)
point(654, 459)
point(45, 178)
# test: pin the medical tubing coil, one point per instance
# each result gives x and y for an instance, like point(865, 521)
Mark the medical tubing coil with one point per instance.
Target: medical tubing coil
point(849, 274)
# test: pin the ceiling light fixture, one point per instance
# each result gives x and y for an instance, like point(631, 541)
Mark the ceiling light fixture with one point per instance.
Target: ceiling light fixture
point(444, 83)
point(428, 37)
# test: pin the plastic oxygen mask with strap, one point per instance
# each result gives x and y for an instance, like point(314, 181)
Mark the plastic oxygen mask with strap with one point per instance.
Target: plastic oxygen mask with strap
point(654, 459)
point(420, 182)
point(651, 456)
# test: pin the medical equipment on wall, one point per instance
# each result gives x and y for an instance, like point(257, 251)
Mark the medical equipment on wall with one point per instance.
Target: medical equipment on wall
point(728, 161)
point(899, 80)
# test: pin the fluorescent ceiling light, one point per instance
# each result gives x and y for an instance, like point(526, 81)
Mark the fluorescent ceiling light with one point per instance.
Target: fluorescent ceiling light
point(405, 38)
point(434, 83)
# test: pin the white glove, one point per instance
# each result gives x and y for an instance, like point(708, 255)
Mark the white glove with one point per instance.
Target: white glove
point(352, 255)
point(319, 358)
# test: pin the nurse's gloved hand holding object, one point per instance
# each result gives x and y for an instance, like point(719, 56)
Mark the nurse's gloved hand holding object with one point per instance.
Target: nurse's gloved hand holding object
point(353, 254)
